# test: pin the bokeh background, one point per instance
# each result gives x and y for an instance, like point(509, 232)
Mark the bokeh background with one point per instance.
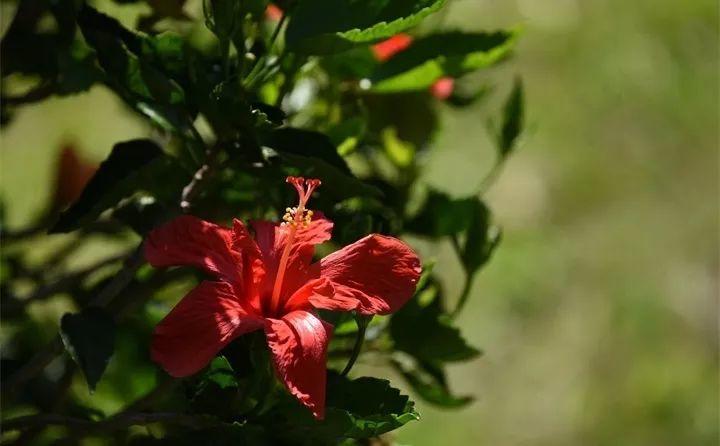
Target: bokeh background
point(598, 314)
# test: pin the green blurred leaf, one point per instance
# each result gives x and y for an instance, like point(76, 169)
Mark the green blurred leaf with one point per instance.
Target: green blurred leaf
point(461, 98)
point(400, 153)
point(423, 330)
point(328, 26)
point(438, 55)
point(412, 114)
point(133, 166)
point(512, 120)
point(89, 338)
point(430, 383)
point(346, 134)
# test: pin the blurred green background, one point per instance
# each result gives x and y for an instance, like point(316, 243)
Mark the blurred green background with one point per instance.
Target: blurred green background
point(598, 314)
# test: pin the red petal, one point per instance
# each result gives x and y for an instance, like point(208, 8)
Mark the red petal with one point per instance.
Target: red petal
point(204, 321)
point(298, 343)
point(252, 267)
point(300, 299)
point(271, 239)
point(190, 241)
point(375, 275)
point(272, 12)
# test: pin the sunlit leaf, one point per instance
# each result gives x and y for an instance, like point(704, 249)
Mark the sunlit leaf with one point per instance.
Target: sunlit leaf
point(450, 54)
point(327, 26)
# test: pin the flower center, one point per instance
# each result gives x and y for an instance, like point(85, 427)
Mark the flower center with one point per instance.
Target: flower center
point(295, 218)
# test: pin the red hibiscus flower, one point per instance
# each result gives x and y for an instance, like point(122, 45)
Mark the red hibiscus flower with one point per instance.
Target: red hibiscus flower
point(443, 88)
point(271, 283)
point(73, 173)
point(273, 12)
point(388, 48)
point(385, 50)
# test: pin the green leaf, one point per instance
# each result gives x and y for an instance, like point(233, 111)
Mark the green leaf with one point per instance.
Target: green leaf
point(361, 408)
point(77, 70)
point(481, 239)
point(429, 382)
point(132, 166)
point(306, 143)
point(118, 51)
point(140, 69)
point(312, 154)
point(512, 120)
point(442, 216)
point(468, 218)
point(338, 184)
point(89, 338)
point(374, 406)
point(447, 54)
point(142, 213)
point(323, 27)
point(423, 330)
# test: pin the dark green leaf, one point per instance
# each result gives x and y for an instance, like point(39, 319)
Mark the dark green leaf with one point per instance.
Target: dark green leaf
point(267, 115)
point(361, 408)
point(512, 120)
point(89, 338)
point(142, 213)
point(322, 27)
point(132, 166)
point(430, 383)
point(442, 216)
point(77, 70)
point(338, 184)
point(305, 143)
point(138, 68)
point(468, 218)
point(448, 54)
point(480, 241)
point(423, 330)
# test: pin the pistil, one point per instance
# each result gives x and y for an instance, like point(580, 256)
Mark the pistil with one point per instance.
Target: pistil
point(294, 219)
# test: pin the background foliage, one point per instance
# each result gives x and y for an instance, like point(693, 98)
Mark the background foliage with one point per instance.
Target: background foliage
point(597, 316)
